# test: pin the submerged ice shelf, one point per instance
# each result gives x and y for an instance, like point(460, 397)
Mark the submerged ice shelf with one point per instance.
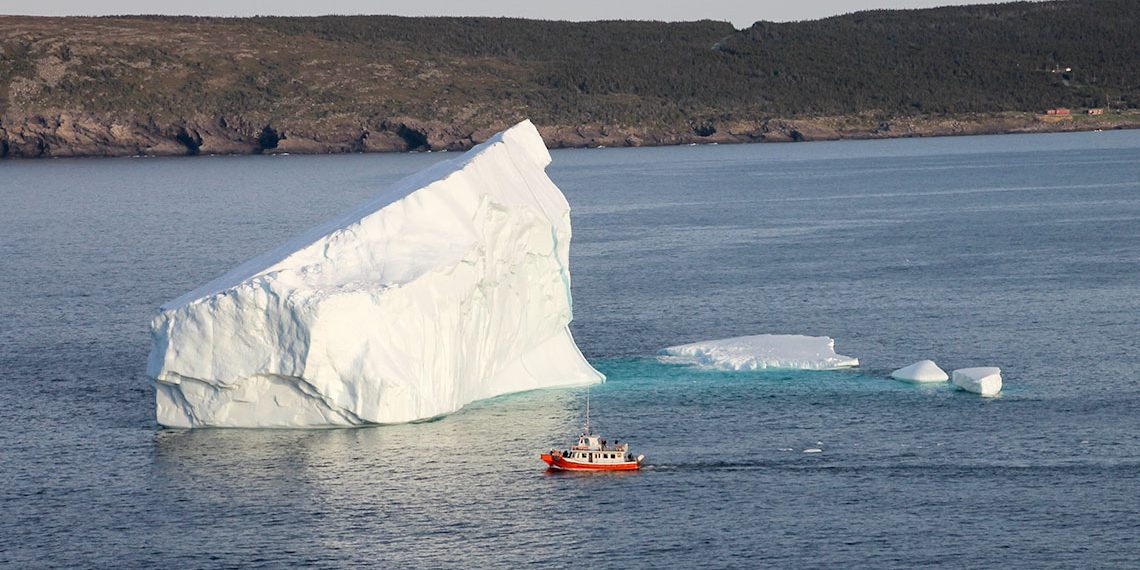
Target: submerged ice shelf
point(761, 351)
point(450, 286)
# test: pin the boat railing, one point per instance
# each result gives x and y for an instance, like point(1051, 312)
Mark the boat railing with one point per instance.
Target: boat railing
point(617, 447)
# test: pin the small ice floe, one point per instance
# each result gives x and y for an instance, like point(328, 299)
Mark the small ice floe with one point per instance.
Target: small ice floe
point(921, 371)
point(984, 380)
point(813, 450)
point(781, 351)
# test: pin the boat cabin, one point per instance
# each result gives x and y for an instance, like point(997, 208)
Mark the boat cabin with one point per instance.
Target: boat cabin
point(593, 449)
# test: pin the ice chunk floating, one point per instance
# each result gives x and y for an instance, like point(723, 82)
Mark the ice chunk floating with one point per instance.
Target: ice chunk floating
point(761, 351)
point(985, 380)
point(921, 371)
point(450, 286)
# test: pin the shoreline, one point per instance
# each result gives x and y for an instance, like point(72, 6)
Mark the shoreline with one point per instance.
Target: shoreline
point(76, 135)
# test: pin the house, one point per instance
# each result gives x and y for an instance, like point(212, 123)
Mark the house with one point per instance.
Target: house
point(1058, 111)
point(1096, 111)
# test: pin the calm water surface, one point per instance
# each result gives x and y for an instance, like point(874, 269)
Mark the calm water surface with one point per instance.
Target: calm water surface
point(1014, 251)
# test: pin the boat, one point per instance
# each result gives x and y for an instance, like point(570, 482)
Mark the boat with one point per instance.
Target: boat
point(593, 453)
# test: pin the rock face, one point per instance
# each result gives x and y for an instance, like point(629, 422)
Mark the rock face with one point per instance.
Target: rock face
point(921, 371)
point(71, 134)
point(781, 351)
point(984, 380)
point(451, 286)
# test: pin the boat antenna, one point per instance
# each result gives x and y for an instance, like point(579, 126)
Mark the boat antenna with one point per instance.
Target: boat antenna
point(587, 410)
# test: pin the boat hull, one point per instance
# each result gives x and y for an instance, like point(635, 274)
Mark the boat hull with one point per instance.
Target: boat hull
point(555, 461)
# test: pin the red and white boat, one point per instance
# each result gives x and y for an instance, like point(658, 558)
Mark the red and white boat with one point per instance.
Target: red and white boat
point(592, 453)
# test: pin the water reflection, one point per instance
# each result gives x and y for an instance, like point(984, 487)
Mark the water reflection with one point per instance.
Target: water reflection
point(490, 432)
point(422, 488)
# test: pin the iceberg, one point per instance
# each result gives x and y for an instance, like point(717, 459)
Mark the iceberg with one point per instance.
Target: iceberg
point(450, 286)
point(761, 351)
point(921, 371)
point(984, 380)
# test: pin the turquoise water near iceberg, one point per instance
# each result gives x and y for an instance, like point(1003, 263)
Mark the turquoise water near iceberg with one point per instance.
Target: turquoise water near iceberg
point(1015, 251)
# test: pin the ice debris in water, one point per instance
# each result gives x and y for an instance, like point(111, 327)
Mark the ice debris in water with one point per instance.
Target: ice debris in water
point(984, 380)
point(787, 351)
point(450, 286)
point(921, 371)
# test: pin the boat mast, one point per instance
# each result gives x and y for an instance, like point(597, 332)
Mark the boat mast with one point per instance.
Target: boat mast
point(587, 410)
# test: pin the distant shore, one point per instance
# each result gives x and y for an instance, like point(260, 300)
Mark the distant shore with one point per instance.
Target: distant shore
point(80, 135)
point(170, 86)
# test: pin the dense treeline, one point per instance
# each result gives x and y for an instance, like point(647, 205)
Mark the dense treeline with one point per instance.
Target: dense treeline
point(947, 60)
point(1003, 57)
point(330, 72)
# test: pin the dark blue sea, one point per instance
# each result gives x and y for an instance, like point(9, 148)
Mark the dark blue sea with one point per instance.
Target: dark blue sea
point(1018, 251)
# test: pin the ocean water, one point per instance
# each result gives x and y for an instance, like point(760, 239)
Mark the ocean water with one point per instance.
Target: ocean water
point(1015, 251)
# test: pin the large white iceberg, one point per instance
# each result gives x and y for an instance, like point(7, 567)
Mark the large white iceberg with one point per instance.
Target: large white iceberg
point(450, 286)
point(761, 351)
point(921, 371)
point(984, 380)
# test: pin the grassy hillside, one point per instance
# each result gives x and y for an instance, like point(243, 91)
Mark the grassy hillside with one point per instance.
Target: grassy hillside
point(180, 84)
